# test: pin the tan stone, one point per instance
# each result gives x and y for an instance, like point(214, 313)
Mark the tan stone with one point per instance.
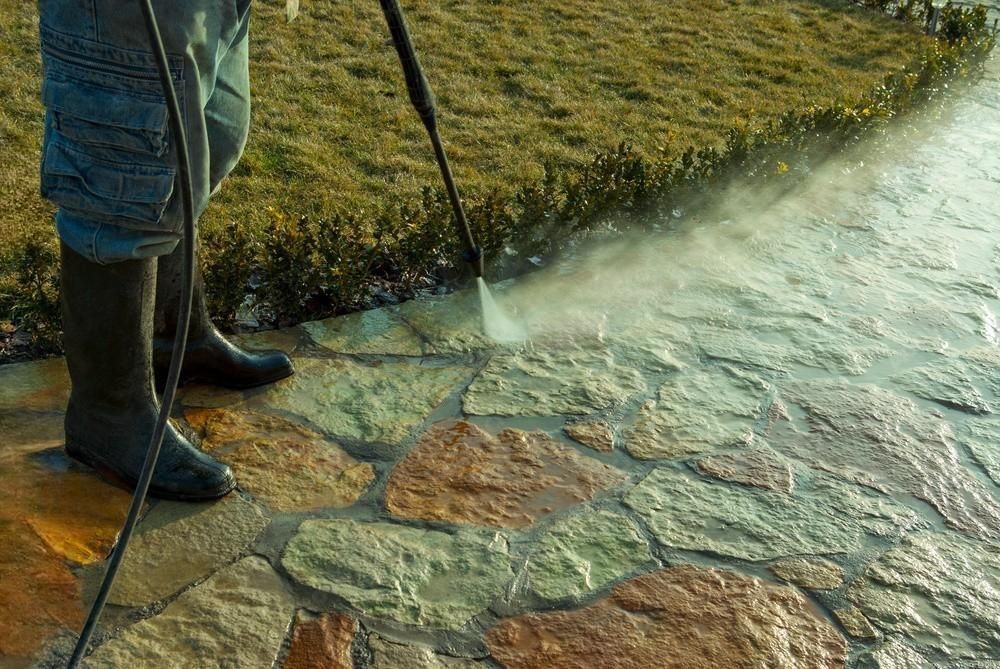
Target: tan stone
point(285, 465)
point(374, 332)
point(595, 434)
point(42, 385)
point(53, 511)
point(854, 621)
point(387, 655)
point(812, 574)
point(676, 618)
point(184, 542)
point(460, 473)
point(758, 467)
point(322, 642)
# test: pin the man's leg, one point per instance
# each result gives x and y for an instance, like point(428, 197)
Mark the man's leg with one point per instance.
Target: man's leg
point(108, 163)
point(210, 357)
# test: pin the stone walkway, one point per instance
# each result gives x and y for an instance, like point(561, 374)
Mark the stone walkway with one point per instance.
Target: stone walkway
point(760, 439)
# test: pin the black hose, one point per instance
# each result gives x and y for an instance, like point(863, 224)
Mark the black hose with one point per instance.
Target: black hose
point(423, 101)
point(180, 336)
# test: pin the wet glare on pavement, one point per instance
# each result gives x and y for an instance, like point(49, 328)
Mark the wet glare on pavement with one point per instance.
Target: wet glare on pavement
point(763, 436)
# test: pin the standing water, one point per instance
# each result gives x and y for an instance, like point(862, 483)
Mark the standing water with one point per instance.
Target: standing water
point(496, 324)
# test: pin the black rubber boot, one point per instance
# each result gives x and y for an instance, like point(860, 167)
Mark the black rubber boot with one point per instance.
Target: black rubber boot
point(107, 335)
point(210, 357)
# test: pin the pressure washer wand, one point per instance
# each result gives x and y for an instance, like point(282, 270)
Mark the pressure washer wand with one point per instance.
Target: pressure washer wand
point(423, 101)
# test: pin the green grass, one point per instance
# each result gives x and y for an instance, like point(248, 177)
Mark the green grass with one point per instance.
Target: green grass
point(519, 84)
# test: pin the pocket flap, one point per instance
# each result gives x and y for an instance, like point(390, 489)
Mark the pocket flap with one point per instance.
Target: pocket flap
point(128, 182)
point(103, 105)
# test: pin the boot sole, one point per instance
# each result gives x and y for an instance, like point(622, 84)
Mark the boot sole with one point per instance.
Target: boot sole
point(113, 476)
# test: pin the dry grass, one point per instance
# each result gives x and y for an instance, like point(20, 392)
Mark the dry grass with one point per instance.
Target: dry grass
point(519, 84)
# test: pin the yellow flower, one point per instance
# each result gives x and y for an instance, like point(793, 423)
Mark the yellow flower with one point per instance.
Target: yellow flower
point(782, 167)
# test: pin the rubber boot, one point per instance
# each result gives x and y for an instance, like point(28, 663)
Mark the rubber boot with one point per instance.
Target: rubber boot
point(107, 335)
point(210, 357)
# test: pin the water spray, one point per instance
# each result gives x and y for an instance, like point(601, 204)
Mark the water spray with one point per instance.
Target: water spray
point(180, 336)
point(495, 323)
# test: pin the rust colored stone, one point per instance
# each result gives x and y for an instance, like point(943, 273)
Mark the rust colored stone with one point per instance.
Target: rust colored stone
point(676, 618)
point(460, 473)
point(321, 643)
point(758, 467)
point(285, 465)
point(595, 434)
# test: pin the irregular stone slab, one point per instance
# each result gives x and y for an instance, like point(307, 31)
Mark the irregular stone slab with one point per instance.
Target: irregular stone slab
point(947, 383)
point(459, 473)
point(697, 411)
point(894, 654)
point(676, 618)
point(285, 339)
point(982, 437)
point(210, 397)
point(685, 511)
point(386, 655)
point(865, 433)
point(376, 332)
point(449, 323)
point(812, 574)
point(562, 382)
point(585, 553)
point(237, 618)
point(444, 580)
point(378, 402)
point(593, 434)
point(39, 596)
point(321, 642)
point(758, 467)
point(855, 623)
point(186, 542)
point(283, 464)
point(41, 385)
point(941, 591)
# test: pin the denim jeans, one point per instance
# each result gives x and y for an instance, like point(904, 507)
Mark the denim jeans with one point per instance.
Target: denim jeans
point(108, 155)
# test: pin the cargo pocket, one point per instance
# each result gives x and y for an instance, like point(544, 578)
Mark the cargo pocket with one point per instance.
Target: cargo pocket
point(107, 145)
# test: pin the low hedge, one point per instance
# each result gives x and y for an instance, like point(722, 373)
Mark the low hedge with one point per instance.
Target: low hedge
point(302, 268)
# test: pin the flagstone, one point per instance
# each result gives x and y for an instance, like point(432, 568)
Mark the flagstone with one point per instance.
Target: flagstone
point(400, 573)
point(280, 463)
point(854, 621)
point(814, 574)
point(185, 542)
point(594, 434)
point(948, 383)
point(939, 590)
point(377, 332)
point(759, 467)
point(376, 402)
point(584, 553)
point(865, 433)
point(190, 632)
point(697, 411)
point(460, 473)
point(41, 385)
point(982, 437)
point(448, 323)
point(321, 642)
point(894, 654)
point(676, 618)
point(565, 381)
point(686, 511)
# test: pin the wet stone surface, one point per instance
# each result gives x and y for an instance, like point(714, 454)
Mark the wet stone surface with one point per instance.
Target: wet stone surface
point(948, 384)
point(594, 434)
point(378, 402)
point(676, 618)
point(376, 332)
point(697, 411)
point(894, 654)
point(191, 633)
point(281, 463)
point(460, 473)
point(388, 655)
point(412, 576)
point(183, 543)
point(584, 553)
point(686, 511)
point(942, 591)
point(758, 467)
point(811, 574)
point(321, 641)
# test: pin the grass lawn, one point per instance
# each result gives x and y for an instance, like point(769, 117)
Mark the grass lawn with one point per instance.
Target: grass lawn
point(519, 84)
